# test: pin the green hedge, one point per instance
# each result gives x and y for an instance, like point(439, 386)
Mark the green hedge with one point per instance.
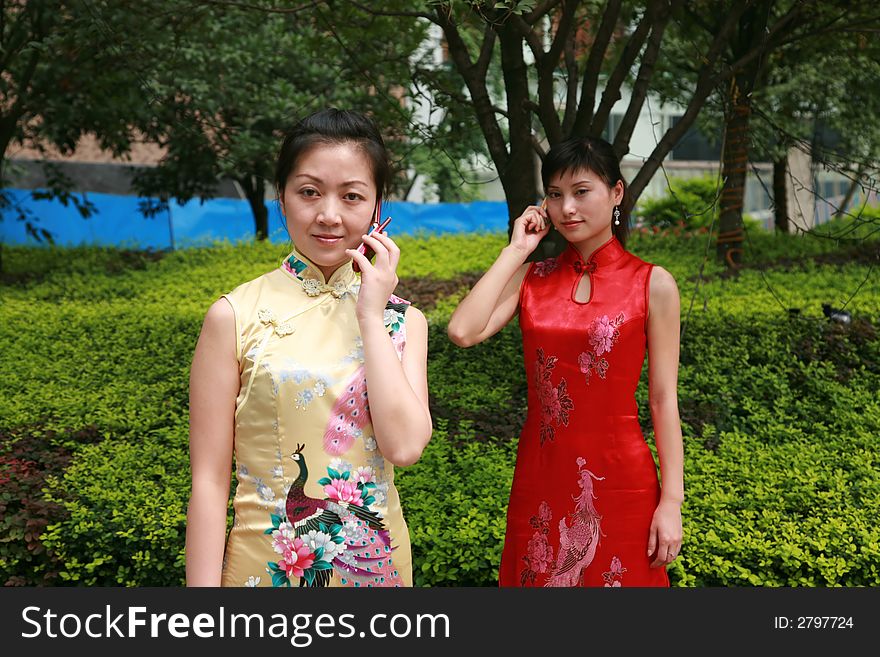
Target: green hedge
point(781, 417)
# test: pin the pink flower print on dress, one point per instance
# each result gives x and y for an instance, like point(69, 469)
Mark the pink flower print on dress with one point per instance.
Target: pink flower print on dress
point(544, 513)
point(602, 334)
point(614, 576)
point(540, 553)
point(555, 402)
point(342, 490)
point(296, 557)
point(546, 267)
point(363, 475)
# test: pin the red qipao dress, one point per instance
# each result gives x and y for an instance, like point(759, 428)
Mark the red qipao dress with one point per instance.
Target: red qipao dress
point(585, 486)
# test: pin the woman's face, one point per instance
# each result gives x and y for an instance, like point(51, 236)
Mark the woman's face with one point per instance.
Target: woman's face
point(580, 205)
point(328, 203)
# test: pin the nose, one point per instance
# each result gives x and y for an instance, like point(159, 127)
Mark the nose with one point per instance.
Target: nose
point(568, 205)
point(329, 212)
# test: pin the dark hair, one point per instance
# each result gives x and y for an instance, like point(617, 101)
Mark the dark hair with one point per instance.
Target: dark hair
point(595, 155)
point(334, 126)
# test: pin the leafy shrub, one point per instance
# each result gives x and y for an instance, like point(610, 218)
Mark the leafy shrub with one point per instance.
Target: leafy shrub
point(126, 507)
point(780, 415)
point(455, 501)
point(692, 203)
point(27, 457)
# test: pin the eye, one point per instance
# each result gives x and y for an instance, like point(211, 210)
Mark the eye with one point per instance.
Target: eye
point(553, 195)
point(308, 191)
point(353, 196)
point(295, 457)
point(582, 191)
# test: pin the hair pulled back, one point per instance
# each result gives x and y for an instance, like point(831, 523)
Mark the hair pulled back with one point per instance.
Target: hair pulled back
point(334, 126)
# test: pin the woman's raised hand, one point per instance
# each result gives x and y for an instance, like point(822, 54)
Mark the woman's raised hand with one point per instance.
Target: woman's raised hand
point(529, 228)
point(378, 280)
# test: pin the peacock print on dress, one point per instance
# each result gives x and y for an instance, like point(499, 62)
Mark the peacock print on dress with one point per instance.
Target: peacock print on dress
point(340, 532)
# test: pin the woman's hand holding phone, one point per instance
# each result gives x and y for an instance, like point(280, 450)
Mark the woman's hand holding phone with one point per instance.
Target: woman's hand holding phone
point(379, 280)
point(365, 250)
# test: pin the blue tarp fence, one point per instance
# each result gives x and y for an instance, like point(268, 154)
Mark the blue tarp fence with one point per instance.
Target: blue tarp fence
point(119, 221)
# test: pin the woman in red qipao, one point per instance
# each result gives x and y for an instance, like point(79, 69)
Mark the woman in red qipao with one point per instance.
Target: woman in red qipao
point(586, 507)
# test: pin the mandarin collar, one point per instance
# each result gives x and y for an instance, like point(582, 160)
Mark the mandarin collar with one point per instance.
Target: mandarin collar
point(606, 254)
point(298, 265)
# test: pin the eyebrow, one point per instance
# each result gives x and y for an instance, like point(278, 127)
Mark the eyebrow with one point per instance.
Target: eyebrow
point(574, 184)
point(354, 181)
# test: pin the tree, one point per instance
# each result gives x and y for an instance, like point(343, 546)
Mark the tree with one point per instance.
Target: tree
point(57, 81)
point(770, 43)
point(575, 47)
point(243, 73)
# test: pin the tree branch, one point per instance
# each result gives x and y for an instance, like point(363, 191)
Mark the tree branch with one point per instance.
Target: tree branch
point(545, 64)
point(612, 87)
point(268, 10)
point(571, 86)
point(540, 11)
point(646, 72)
point(593, 68)
point(706, 82)
point(475, 79)
point(399, 13)
point(485, 58)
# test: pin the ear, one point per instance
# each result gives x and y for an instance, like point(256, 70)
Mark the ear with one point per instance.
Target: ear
point(617, 192)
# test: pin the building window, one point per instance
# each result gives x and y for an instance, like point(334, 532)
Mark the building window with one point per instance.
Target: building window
point(611, 127)
point(694, 145)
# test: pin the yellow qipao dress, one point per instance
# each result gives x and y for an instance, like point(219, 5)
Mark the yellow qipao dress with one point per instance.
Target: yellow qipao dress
point(315, 503)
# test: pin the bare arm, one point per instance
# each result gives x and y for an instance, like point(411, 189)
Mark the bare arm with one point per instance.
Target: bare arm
point(398, 388)
point(492, 303)
point(663, 352)
point(214, 385)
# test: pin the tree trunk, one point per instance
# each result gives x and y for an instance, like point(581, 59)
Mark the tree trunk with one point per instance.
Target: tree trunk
point(780, 193)
point(255, 191)
point(854, 184)
point(518, 171)
point(733, 170)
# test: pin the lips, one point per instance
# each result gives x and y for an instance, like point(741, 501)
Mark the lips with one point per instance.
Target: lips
point(327, 238)
point(570, 224)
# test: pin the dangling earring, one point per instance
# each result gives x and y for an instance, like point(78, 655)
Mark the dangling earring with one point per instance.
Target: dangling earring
point(616, 215)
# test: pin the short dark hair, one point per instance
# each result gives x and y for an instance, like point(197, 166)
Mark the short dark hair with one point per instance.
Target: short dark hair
point(334, 126)
point(591, 154)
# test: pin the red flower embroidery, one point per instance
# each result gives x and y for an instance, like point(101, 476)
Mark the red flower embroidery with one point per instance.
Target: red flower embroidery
point(555, 402)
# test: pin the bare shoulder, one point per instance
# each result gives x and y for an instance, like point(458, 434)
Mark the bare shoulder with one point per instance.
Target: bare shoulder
point(415, 318)
point(219, 324)
point(663, 287)
point(220, 312)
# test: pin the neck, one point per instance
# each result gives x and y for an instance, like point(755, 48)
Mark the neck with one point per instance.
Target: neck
point(589, 246)
point(328, 271)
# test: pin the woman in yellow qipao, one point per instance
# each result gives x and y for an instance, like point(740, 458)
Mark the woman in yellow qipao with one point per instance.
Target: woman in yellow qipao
point(314, 378)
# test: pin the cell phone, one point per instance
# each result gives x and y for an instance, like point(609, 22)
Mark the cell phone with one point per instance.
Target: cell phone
point(366, 250)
